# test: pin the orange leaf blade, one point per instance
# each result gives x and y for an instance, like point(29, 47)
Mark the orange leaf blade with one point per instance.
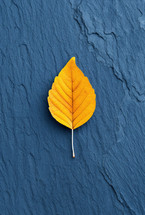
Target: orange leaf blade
point(72, 100)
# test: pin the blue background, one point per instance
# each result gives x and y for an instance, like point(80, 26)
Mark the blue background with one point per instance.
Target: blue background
point(37, 173)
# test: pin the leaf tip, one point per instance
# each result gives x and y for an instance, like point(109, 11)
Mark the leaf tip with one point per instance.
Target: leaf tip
point(73, 59)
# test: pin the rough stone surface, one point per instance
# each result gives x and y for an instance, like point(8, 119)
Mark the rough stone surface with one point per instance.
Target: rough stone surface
point(37, 173)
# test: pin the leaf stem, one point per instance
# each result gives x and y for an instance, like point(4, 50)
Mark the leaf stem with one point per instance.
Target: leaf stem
point(73, 143)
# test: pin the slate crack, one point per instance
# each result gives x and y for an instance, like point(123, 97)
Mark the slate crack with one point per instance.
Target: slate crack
point(120, 200)
point(117, 71)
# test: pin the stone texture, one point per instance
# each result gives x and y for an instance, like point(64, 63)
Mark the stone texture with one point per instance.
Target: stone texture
point(37, 172)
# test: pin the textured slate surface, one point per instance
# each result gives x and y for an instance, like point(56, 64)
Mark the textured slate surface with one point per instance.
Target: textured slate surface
point(37, 172)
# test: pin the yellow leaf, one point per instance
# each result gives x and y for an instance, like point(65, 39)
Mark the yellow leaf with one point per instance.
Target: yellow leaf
point(72, 99)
